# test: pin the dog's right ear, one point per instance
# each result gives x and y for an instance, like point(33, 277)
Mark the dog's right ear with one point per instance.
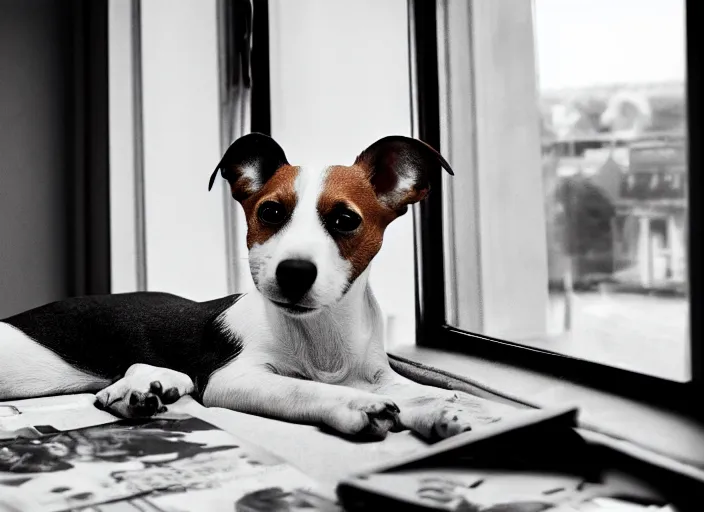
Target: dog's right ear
point(248, 164)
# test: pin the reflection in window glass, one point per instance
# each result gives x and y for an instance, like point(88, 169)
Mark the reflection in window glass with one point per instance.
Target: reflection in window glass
point(612, 82)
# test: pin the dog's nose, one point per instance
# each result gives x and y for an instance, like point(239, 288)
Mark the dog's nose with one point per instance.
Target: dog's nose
point(295, 277)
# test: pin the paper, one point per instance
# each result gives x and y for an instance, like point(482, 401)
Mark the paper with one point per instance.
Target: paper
point(20, 418)
point(164, 465)
point(530, 463)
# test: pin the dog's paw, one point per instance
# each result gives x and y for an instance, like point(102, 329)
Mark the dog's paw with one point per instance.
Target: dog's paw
point(444, 416)
point(364, 415)
point(144, 391)
point(450, 420)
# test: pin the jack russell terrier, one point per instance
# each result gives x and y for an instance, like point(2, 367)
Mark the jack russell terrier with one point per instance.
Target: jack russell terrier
point(306, 346)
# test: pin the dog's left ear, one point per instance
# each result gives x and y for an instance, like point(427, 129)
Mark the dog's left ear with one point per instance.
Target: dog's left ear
point(399, 169)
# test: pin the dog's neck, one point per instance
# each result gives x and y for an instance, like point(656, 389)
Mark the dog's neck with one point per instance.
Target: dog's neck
point(333, 343)
point(355, 318)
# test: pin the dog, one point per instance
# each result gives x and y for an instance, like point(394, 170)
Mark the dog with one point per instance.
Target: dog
point(305, 346)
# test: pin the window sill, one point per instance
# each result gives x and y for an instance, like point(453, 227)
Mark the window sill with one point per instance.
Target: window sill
point(657, 430)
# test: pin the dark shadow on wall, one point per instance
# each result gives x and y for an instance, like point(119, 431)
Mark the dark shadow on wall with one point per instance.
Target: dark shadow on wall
point(54, 199)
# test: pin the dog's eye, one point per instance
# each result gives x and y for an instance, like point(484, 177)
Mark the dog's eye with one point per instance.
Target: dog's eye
point(272, 213)
point(343, 221)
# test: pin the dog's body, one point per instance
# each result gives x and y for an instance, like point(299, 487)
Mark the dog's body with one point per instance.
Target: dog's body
point(306, 346)
point(100, 337)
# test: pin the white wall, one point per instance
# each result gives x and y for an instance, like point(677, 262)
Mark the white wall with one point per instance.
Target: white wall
point(185, 232)
point(340, 81)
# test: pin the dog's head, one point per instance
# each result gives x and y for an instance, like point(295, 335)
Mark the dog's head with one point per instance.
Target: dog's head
point(313, 231)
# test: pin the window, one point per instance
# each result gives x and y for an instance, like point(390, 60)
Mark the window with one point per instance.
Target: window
point(194, 93)
point(564, 232)
point(613, 154)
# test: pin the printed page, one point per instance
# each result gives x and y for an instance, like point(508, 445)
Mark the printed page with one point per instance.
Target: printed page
point(169, 465)
point(533, 463)
point(481, 489)
point(61, 413)
point(565, 416)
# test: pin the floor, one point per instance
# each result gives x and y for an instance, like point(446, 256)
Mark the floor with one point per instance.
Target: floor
point(646, 334)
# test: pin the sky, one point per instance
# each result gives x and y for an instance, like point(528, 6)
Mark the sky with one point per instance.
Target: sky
point(582, 43)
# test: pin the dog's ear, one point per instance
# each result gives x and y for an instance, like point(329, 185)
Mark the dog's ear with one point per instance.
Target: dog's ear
point(399, 169)
point(248, 164)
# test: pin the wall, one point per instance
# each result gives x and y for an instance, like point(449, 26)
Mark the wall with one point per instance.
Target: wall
point(33, 155)
point(340, 81)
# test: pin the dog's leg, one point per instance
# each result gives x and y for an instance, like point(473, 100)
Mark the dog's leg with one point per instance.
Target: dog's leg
point(347, 410)
point(28, 370)
point(144, 391)
point(436, 413)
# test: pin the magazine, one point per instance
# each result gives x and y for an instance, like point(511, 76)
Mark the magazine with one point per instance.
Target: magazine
point(528, 463)
point(35, 417)
point(178, 463)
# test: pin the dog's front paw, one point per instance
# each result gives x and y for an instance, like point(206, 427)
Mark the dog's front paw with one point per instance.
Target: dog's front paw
point(364, 415)
point(144, 391)
point(446, 416)
point(450, 420)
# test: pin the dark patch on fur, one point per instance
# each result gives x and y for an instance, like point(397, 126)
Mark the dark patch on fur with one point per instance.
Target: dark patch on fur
point(106, 334)
point(288, 372)
point(394, 157)
point(254, 149)
point(271, 368)
point(422, 400)
point(477, 483)
point(376, 377)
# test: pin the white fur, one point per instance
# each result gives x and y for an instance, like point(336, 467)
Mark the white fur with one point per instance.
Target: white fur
point(304, 237)
point(139, 377)
point(251, 174)
point(403, 188)
point(28, 369)
point(340, 343)
point(342, 339)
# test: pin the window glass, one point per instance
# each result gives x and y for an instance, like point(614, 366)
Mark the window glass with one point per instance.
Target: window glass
point(611, 82)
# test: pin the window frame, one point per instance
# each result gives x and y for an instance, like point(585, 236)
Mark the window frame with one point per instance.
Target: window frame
point(243, 45)
point(433, 329)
